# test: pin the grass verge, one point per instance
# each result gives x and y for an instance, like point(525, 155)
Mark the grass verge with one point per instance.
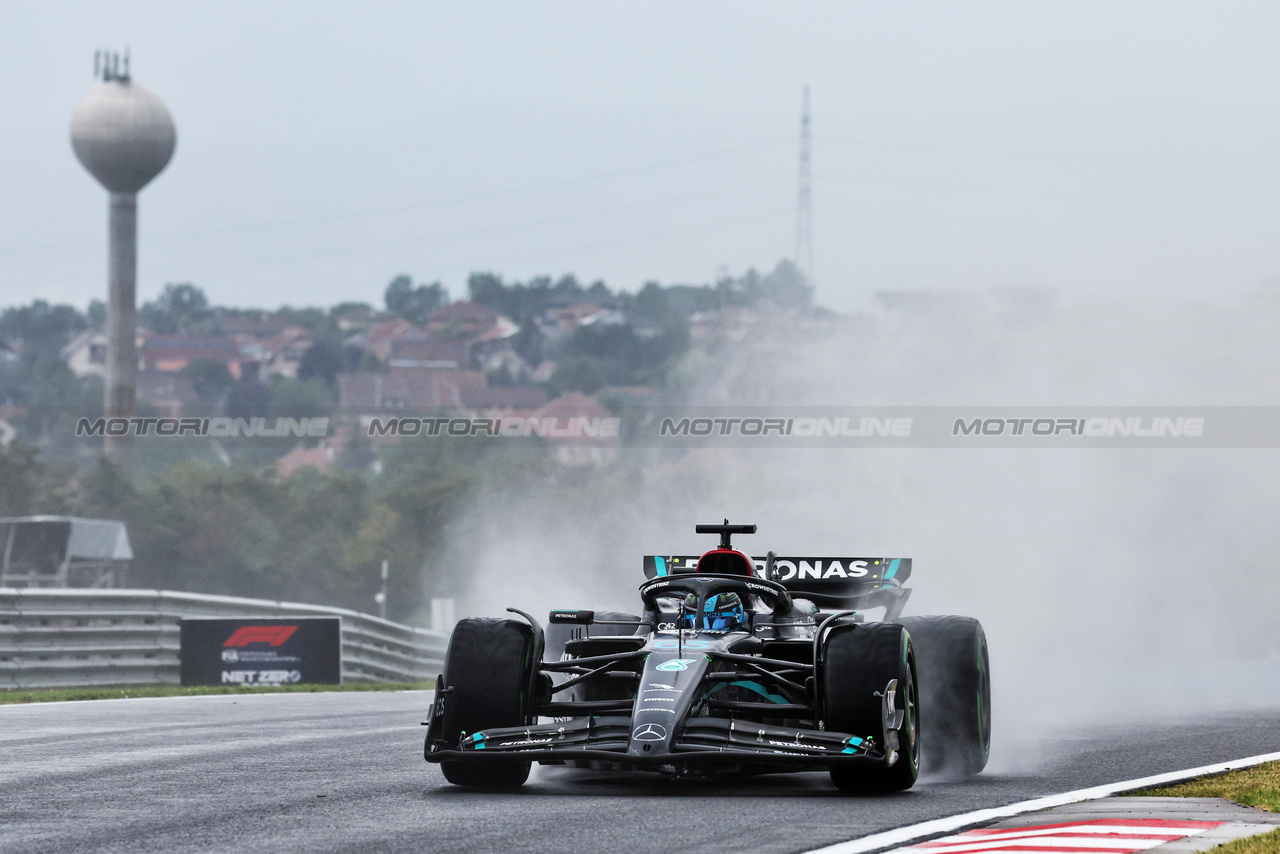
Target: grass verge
point(1263, 843)
point(121, 692)
point(1257, 786)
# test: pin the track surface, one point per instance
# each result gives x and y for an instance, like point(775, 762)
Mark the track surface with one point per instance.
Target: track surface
point(344, 772)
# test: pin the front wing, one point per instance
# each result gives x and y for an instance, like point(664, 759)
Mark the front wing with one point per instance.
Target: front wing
point(702, 739)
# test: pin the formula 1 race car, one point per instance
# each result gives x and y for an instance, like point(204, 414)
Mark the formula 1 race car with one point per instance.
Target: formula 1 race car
point(732, 669)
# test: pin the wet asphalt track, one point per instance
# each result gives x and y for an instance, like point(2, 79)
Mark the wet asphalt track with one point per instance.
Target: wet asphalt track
point(344, 772)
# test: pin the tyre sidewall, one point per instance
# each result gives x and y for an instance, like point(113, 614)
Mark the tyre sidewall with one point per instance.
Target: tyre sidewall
point(858, 663)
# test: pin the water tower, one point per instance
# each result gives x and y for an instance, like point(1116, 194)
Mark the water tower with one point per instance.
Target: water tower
point(123, 134)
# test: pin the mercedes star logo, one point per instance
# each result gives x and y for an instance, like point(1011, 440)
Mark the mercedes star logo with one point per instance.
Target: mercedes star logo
point(649, 732)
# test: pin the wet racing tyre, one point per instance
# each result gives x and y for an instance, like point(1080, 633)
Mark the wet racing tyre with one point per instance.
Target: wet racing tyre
point(858, 662)
point(486, 677)
point(955, 693)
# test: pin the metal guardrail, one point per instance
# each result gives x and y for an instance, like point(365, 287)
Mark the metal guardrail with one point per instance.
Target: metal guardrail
point(72, 637)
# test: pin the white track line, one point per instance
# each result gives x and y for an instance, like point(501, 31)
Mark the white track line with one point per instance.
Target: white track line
point(902, 835)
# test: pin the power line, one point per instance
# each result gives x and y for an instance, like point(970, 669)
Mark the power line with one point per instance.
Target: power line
point(451, 201)
point(447, 238)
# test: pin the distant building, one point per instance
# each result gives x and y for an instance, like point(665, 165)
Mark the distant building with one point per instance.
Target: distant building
point(277, 356)
point(734, 323)
point(423, 390)
point(172, 353)
point(63, 551)
point(407, 390)
point(563, 320)
point(587, 414)
point(256, 325)
point(430, 352)
point(358, 318)
point(86, 354)
point(379, 339)
point(319, 458)
point(167, 393)
point(9, 355)
point(463, 320)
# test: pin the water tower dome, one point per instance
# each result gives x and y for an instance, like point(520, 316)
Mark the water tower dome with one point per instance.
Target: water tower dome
point(123, 134)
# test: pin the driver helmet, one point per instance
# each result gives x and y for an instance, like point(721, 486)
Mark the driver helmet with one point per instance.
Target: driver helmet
point(721, 612)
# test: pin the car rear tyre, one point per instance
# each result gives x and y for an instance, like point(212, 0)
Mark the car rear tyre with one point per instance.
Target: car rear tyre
point(858, 662)
point(955, 693)
point(486, 677)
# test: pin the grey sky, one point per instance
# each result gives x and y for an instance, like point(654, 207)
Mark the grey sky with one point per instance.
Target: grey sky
point(325, 147)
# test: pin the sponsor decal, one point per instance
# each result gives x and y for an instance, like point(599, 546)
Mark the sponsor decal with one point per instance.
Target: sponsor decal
point(273, 635)
point(260, 677)
point(659, 709)
point(797, 744)
point(674, 644)
point(660, 699)
point(659, 686)
point(787, 570)
point(675, 664)
point(250, 651)
point(649, 732)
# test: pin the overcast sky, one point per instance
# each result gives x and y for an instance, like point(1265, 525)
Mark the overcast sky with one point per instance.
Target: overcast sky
point(325, 147)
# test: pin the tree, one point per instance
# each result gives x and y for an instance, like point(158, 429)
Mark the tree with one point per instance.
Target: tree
point(28, 484)
point(786, 286)
point(97, 314)
point(414, 304)
point(209, 377)
point(323, 360)
point(42, 328)
point(299, 399)
point(178, 309)
point(249, 397)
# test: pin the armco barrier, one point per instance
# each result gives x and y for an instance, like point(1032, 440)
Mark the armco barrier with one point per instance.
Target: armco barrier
point(57, 637)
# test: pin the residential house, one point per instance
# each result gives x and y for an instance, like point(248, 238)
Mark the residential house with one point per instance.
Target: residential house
point(465, 320)
point(172, 353)
point(167, 393)
point(86, 354)
point(561, 321)
point(586, 439)
point(381, 338)
point(320, 458)
point(429, 352)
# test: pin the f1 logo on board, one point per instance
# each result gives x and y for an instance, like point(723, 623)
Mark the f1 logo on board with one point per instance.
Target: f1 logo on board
point(273, 635)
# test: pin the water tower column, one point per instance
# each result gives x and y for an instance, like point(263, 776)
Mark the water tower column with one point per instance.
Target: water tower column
point(122, 313)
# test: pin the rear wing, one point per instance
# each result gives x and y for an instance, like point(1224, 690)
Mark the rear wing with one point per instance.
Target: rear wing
point(842, 582)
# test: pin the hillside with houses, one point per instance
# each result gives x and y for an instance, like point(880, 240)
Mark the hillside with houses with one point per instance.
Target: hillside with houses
point(312, 518)
point(520, 349)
